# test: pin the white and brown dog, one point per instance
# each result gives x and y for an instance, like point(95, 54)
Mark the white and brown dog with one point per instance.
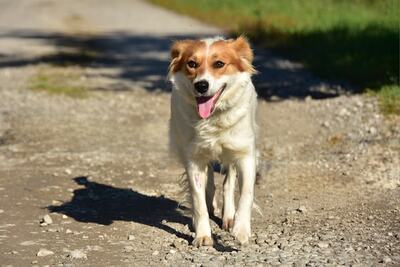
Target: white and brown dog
point(213, 110)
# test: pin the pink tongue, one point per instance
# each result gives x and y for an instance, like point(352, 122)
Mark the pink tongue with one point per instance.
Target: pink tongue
point(204, 106)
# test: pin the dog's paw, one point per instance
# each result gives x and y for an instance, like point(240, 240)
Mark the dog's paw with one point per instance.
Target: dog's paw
point(227, 224)
point(203, 241)
point(242, 232)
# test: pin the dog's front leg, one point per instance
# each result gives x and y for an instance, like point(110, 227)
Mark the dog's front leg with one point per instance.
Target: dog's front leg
point(197, 174)
point(242, 224)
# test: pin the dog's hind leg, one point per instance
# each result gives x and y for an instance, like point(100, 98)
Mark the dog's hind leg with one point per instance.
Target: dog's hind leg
point(211, 200)
point(197, 175)
point(228, 212)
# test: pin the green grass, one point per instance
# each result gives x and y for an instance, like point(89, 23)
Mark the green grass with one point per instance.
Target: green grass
point(389, 99)
point(356, 41)
point(59, 81)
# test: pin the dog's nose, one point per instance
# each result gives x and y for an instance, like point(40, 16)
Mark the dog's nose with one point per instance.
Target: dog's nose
point(201, 86)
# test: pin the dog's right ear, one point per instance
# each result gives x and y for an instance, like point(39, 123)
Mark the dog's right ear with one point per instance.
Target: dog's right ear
point(177, 51)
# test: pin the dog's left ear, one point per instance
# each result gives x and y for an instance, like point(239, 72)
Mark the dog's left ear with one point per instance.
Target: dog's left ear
point(242, 47)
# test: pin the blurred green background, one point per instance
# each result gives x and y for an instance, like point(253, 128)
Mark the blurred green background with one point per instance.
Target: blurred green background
point(354, 40)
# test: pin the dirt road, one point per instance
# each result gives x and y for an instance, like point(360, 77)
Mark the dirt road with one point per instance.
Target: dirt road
point(98, 164)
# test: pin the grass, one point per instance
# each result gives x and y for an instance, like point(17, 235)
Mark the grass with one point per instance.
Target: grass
point(61, 81)
point(389, 99)
point(356, 41)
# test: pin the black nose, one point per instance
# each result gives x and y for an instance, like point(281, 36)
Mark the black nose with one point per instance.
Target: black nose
point(201, 86)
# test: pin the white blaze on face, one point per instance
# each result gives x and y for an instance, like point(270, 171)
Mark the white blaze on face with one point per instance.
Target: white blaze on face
point(214, 84)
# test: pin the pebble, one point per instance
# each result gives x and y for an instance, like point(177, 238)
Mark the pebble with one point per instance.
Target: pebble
point(44, 252)
point(68, 171)
point(155, 253)
point(326, 124)
point(131, 237)
point(28, 243)
point(372, 130)
point(68, 231)
point(46, 219)
point(386, 259)
point(302, 209)
point(77, 254)
point(343, 112)
point(1, 211)
point(323, 245)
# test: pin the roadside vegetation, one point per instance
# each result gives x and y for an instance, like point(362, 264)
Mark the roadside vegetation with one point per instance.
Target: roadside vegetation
point(356, 41)
point(59, 80)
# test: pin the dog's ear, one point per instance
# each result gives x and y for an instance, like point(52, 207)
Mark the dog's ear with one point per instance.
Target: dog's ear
point(242, 47)
point(177, 49)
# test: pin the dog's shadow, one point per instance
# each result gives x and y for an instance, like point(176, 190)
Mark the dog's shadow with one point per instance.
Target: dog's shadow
point(104, 204)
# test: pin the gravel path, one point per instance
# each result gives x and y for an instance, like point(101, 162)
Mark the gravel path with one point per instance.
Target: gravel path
point(88, 181)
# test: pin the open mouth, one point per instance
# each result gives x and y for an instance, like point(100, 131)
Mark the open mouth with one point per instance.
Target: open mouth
point(206, 104)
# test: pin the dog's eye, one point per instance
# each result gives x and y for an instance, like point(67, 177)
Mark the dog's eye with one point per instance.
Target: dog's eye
point(192, 64)
point(218, 64)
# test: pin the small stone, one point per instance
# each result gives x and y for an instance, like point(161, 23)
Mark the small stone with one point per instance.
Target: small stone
point(386, 259)
point(1, 211)
point(359, 103)
point(77, 254)
point(155, 253)
point(68, 231)
point(372, 130)
point(47, 219)
point(44, 252)
point(64, 216)
point(343, 112)
point(302, 209)
point(68, 171)
point(326, 124)
point(131, 237)
point(28, 243)
point(140, 173)
point(56, 202)
point(282, 243)
point(323, 245)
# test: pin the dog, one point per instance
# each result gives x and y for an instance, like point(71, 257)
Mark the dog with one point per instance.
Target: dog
point(213, 118)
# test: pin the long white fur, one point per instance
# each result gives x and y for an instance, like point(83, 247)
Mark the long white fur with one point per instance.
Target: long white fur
point(228, 135)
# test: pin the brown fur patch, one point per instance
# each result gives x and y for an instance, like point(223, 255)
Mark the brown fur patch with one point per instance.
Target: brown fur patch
point(236, 55)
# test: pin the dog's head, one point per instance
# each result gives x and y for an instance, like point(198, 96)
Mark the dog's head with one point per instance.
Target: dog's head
point(210, 66)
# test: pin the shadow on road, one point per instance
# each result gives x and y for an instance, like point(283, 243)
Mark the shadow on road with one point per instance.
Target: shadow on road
point(143, 60)
point(104, 204)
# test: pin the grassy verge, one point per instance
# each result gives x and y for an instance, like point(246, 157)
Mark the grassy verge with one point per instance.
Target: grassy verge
point(357, 40)
point(59, 80)
point(389, 99)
